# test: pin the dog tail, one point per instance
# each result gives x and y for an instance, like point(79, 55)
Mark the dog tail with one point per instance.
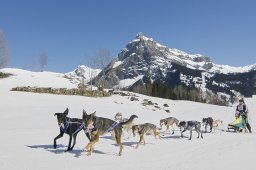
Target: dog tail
point(129, 120)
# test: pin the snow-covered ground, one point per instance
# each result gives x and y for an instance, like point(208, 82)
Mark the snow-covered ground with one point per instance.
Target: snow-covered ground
point(28, 127)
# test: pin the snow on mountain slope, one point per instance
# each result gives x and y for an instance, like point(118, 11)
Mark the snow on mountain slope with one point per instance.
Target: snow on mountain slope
point(83, 72)
point(28, 128)
point(193, 61)
point(145, 57)
point(144, 62)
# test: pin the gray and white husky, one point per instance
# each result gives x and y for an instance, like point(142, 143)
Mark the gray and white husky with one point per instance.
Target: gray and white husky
point(190, 125)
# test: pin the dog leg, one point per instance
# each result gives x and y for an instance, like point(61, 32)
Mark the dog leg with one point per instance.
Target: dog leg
point(167, 129)
point(55, 139)
point(190, 135)
point(69, 143)
point(182, 133)
point(129, 133)
point(172, 129)
point(144, 142)
point(90, 145)
point(211, 127)
point(156, 134)
point(113, 135)
point(74, 141)
point(141, 139)
point(118, 142)
point(88, 136)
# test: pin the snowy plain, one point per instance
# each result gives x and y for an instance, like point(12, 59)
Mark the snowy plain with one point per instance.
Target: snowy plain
point(28, 127)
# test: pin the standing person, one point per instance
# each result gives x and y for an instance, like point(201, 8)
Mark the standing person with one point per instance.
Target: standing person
point(241, 108)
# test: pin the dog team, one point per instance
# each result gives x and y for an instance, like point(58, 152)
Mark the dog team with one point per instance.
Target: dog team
point(95, 126)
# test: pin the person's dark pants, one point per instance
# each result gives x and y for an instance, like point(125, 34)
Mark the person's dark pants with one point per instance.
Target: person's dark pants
point(249, 127)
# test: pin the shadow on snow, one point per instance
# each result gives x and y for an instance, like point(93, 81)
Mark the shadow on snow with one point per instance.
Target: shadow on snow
point(62, 148)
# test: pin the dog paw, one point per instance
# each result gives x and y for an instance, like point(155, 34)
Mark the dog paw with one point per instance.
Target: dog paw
point(67, 150)
point(84, 150)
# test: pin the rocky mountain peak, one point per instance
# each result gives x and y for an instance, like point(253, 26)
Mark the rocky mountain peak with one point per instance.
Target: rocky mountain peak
point(143, 61)
point(140, 35)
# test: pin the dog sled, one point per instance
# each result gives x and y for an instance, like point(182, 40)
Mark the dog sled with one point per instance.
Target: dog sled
point(239, 125)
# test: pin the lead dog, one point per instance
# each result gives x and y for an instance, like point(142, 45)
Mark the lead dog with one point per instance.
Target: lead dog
point(99, 126)
point(142, 129)
point(190, 125)
point(168, 122)
point(70, 126)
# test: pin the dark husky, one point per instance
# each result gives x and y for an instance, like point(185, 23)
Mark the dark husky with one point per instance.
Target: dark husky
point(99, 126)
point(70, 126)
point(191, 125)
point(207, 121)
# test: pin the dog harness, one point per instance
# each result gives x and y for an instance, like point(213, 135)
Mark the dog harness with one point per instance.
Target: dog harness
point(67, 124)
point(111, 127)
point(79, 129)
point(64, 129)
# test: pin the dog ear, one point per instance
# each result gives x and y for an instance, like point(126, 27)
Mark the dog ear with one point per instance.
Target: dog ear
point(66, 111)
point(94, 113)
point(84, 113)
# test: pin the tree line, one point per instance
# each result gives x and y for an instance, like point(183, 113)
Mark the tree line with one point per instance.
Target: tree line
point(179, 92)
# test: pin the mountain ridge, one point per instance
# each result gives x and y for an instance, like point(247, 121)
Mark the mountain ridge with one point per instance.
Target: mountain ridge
point(144, 61)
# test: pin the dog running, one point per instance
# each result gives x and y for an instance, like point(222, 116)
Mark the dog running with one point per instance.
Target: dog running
point(217, 125)
point(99, 126)
point(70, 126)
point(169, 122)
point(128, 126)
point(142, 129)
point(190, 125)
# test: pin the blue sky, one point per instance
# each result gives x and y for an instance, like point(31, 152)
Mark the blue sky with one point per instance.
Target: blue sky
point(68, 31)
